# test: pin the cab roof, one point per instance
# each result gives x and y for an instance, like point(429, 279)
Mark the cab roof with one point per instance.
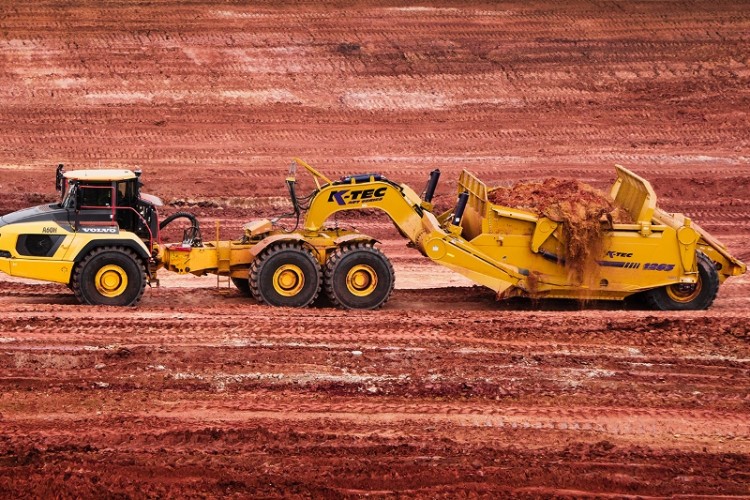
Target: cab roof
point(100, 175)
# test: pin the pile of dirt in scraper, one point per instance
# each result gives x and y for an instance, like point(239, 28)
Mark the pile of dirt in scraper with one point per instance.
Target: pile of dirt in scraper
point(578, 206)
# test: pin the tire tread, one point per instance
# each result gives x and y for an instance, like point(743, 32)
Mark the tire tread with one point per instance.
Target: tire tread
point(76, 278)
point(657, 298)
point(335, 258)
point(257, 265)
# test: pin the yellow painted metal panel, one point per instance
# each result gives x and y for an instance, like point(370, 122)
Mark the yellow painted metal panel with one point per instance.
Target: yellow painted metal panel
point(45, 270)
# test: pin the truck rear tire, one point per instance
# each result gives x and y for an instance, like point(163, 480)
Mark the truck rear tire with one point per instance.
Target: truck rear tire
point(109, 276)
point(685, 297)
point(285, 275)
point(241, 284)
point(358, 276)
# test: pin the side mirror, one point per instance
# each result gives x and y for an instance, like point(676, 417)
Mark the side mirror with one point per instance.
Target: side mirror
point(59, 179)
point(138, 183)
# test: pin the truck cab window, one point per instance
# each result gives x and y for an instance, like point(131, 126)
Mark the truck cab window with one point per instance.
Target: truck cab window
point(69, 198)
point(125, 194)
point(96, 196)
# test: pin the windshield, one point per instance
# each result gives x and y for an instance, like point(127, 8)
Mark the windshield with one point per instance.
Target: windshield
point(69, 197)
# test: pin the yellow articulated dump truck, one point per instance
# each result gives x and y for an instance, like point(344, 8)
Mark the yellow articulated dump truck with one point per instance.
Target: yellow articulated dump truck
point(102, 240)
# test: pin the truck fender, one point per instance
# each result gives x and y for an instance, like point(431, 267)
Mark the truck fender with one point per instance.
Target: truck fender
point(266, 242)
point(130, 244)
point(140, 250)
point(354, 237)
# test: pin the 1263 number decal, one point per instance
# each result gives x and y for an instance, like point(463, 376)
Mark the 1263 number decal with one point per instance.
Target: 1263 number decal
point(654, 266)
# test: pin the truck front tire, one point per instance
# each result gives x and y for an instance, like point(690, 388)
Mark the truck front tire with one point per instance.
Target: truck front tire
point(109, 276)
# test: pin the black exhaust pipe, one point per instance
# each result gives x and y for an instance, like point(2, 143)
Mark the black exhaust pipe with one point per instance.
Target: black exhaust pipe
point(431, 185)
point(290, 184)
point(463, 198)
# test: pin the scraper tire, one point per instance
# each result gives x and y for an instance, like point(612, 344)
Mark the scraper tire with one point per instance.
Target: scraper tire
point(686, 296)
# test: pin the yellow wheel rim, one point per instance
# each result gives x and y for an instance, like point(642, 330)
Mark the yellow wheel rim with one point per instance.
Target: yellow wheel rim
point(111, 280)
point(684, 292)
point(361, 280)
point(288, 280)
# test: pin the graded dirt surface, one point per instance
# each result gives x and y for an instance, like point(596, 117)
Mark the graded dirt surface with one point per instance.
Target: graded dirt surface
point(203, 392)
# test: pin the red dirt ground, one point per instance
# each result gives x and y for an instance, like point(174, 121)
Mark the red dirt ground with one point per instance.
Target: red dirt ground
point(444, 392)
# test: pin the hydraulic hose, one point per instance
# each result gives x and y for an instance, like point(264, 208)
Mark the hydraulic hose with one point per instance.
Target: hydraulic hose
point(192, 235)
point(180, 215)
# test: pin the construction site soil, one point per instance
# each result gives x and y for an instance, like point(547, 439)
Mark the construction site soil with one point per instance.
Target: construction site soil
point(444, 392)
